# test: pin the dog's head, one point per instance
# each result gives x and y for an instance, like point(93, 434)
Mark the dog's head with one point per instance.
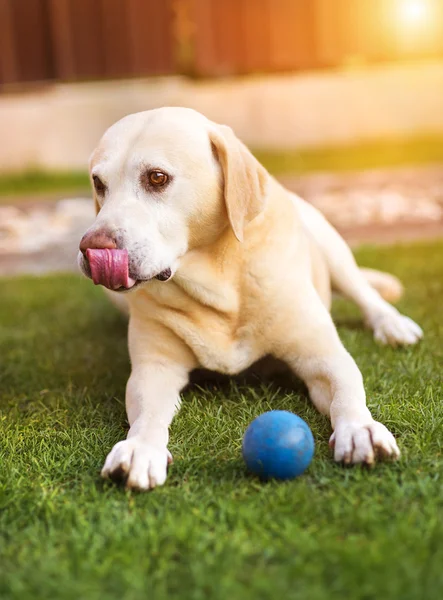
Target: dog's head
point(166, 181)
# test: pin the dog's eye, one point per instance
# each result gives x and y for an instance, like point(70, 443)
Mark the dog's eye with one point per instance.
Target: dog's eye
point(157, 178)
point(154, 180)
point(99, 186)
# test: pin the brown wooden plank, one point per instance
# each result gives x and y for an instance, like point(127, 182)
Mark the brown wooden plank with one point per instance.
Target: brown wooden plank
point(25, 47)
point(87, 38)
point(116, 43)
point(294, 35)
point(150, 35)
point(351, 30)
point(205, 58)
point(256, 17)
point(62, 39)
point(183, 35)
point(77, 39)
point(363, 27)
point(330, 31)
point(228, 30)
point(9, 67)
point(31, 30)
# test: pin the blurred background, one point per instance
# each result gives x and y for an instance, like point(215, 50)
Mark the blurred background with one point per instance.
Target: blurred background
point(340, 99)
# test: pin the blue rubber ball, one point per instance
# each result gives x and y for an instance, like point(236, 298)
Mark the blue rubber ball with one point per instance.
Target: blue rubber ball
point(278, 445)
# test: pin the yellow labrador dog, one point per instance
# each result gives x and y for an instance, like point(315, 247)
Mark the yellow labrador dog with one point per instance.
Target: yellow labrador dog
point(224, 266)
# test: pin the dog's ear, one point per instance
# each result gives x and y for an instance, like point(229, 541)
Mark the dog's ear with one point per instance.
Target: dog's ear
point(244, 179)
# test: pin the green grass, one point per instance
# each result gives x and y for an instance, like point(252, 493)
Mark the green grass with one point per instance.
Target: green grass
point(365, 155)
point(213, 531)
point(36, 182)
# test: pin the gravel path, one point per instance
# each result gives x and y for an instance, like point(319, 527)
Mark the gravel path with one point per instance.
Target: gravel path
point(379, 206)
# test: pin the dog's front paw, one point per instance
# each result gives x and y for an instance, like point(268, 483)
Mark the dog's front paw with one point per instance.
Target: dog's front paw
point(396, 330)
point(137, 464)
point(362, 443)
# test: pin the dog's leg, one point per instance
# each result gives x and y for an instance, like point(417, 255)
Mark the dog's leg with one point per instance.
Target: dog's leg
point(160, 370)
point(388, 325)
point(335, 384)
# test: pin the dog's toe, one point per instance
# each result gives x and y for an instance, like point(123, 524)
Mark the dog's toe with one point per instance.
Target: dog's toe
point(396, 330)
point(140, 466)
point(355, 443)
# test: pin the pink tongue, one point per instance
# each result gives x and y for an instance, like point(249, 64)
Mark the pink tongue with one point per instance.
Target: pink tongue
point(110, 268)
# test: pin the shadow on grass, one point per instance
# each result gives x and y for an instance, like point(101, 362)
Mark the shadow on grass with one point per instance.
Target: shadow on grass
point(353, 324)
point(266, 371)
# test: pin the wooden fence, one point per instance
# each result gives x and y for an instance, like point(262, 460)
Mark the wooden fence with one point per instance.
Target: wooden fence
point(67, 40)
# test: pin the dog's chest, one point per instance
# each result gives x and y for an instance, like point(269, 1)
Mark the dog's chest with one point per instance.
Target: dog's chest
point(209, 322)
point(218, 346)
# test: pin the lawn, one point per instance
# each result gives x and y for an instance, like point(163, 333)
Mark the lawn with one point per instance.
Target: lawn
point(363, 155)
point(212, 532)
point(36, 183)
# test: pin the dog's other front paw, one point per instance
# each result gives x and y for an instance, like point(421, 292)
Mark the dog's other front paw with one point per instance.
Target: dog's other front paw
point(355, 442)
point(396, 329)
point(137, 464)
